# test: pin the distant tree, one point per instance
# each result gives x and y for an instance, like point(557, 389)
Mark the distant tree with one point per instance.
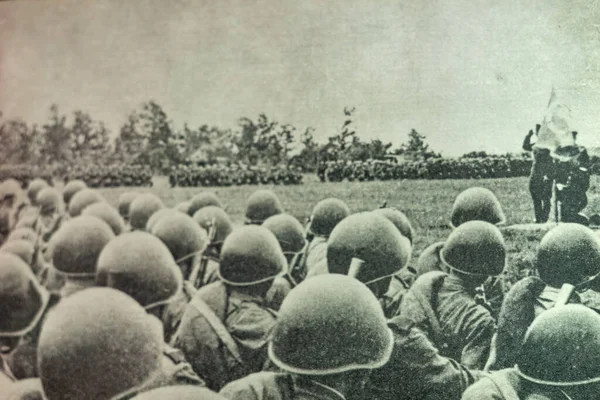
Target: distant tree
point(416, 148)
point(89, 140)
point(130, 144)
point(56, 150)
point(16, 142)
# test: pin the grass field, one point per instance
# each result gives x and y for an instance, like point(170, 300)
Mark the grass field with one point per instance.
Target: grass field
point(426, 203)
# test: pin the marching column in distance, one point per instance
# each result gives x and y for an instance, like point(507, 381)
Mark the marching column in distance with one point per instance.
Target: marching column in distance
point(540, 178)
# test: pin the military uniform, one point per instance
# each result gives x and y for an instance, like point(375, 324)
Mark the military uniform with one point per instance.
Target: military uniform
point(224, 337)
point(171, 316)
point(573, 180)
point(316, 252)
point(278, 386)
point(540, 179)
point(441, 306)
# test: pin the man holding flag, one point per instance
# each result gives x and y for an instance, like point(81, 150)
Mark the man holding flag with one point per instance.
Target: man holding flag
point(540, 179)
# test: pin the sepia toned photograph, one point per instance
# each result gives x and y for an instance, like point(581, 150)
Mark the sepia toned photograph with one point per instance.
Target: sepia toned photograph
point(299, 200)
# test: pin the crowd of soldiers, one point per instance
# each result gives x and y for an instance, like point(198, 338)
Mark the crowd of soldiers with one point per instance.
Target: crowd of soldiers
point(434, 168)
point(116, 175)
point(221, 175)
point(142, 301)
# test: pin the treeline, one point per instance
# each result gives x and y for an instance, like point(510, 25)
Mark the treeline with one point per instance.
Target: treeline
point(150, 138)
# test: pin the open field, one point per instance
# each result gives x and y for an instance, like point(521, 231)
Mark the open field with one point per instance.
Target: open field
point(427, 203)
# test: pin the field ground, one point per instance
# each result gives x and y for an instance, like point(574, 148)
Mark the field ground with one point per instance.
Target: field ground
point(427, 203)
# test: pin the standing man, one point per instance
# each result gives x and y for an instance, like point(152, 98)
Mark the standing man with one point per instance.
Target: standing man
point(540, 178)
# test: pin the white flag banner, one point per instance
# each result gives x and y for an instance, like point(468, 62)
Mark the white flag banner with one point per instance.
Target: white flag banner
point(555, 130)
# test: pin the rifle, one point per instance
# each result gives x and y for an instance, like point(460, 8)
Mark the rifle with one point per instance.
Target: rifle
point(199, 270)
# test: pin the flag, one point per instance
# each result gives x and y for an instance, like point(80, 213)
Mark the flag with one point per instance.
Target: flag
point(555, 130)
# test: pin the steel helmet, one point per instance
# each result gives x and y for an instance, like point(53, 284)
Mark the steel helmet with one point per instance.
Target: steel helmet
point(568, 253)
point(108, 214)
point(181, 392)
point(23, 233)
point(214, 216)
point(82, 199)
point(475, 248)
point(250, 255)
point(10, 188)
point(371, 238)
point(323, 317)
point(477, 204)
point(96, 344)
point(22, 299)
point(77, 244)
point(182, 235)
point(141, 208)
point(125, 202)
point(183, 207)
point(399, 219)
point(157, 216)
point(261, 205)
point(326, 215)
point(140, 265)
point(49, 200)
point(71, 188)
point(34, 188)
point(562, 347)
point(202, 200)
point(20, 247)
point(25, 389)
point(288, 231)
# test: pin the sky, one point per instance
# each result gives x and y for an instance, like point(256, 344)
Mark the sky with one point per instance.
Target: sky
point(470, 75)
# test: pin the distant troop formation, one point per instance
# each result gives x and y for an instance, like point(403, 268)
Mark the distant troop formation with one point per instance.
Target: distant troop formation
point(219, 175)
point(434, 168)
point(143, 301)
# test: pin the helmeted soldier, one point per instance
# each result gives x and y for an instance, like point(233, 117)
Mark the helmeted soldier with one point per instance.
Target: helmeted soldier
point(34, 188)
point(290, 235)
point(124, 203)
point(325, 216)
point(23, 249)
point(186, 240)
point(202, 200)
point(567, 263)
point(318, 322)
point(556, 360)
point(444, 305)
point(23, 233)
point(141, 265)
point(540, 178)
point(51, 215)
point(225, 328)
point(261, 205)
point(24, 303)
point(159, 215)
point(71, 188)
point(82, 199)
point(108, 214)
point(142, 208)
point(183, 207)
point(218, 224)
point(13, 203)
point(96, 344)
point(368, 247)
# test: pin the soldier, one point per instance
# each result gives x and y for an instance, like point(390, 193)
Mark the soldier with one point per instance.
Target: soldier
point(125, 203)
point(71, 188)
point(12, 205)
point(540, 178)
point(23, 249)
point(325, 216)
point(183, 207)
point(96, 344)
point(567, 262)
point(140, 265)
point(34, 188)
point(75, 250)
point(556, 360)
point(156, 217)
point(186, 240)
point(225, 328)
point(217, 223)
point(369, 248)
point(24, 304)
point(324, 318)
point(203, 200)
point(82, 199)
point(444, 306)
point(50, 214)
point(290, 235)
point(572, 175)
point(142, 208)
point(261, 205)
point(108, 214)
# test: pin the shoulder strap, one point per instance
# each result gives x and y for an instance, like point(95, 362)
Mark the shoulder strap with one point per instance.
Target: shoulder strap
point(217, 327)
point(433, 283)
point(504, 384)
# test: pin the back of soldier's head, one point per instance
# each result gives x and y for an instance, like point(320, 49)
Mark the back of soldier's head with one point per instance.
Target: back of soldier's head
point(251, 255)
point(33, 188)
point(261, 205)
point(321, 319)
point(477, 204)
point(82, 199)
point(108, 214)
point(326, 215)
point(125, 200)
point(568, 253)
point(96, 344)
point(140, 265)
point(289, 233)
point(202, 200)
point(141, 209)
point(215, 221)
point(182, 236)
point(20, 247)
point(48, 200)
point(25, 233)
point(400, 221)
point(159, 215)
point(71, 188)
point(372, 239)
